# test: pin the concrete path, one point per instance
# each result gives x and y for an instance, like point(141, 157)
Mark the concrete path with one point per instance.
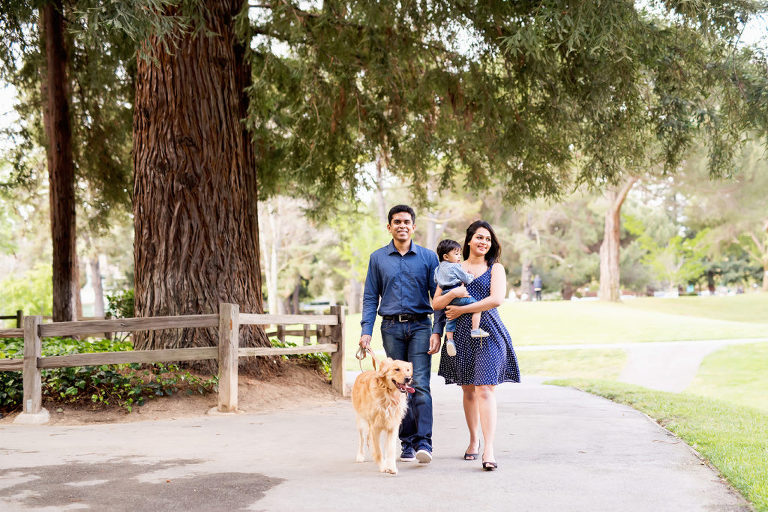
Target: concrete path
point(663, 365)
point(558, 449)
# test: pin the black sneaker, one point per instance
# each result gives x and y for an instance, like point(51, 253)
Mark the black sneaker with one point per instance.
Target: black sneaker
point(407, 455)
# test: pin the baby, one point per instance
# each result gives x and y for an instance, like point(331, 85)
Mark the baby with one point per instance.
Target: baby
point(449, 275)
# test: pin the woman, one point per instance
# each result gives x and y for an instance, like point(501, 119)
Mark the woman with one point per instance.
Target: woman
point(480, 364)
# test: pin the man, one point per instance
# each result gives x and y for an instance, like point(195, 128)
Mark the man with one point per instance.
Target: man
point(402, 275)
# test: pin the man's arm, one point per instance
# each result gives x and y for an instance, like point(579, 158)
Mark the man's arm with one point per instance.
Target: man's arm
point(370, 303)
point(438, 322)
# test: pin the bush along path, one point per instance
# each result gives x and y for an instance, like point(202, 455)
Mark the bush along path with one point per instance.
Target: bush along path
point(125, 386)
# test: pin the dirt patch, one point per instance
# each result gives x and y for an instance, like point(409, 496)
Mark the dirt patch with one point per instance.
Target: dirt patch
point(295, 386)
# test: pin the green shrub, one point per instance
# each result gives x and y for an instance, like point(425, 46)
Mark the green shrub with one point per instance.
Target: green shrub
point(120, 304)
point(123, 385)
point(319, 360)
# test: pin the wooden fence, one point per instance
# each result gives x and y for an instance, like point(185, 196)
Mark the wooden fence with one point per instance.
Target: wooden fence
point(329, 333)
point(18, 317)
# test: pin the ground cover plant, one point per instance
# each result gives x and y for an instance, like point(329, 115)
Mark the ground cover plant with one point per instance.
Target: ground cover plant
point(731, 437)
point(321, 361)
point(124, 385)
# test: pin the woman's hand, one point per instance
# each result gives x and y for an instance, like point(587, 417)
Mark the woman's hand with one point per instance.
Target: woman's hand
point(452, 312)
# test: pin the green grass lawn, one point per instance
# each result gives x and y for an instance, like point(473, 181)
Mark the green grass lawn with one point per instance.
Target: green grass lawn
point(750, 308)
point(572, 364)
point(733, 438)
point(634, 320)
point(736, 374)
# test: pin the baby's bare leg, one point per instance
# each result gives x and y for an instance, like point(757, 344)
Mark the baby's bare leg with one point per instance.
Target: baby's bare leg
point(476, 320)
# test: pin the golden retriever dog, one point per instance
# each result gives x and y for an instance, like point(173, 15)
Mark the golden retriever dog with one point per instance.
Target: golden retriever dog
point(379, 399)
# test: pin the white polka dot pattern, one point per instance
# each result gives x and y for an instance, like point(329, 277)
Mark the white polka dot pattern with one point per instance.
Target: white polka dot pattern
point(480, 361)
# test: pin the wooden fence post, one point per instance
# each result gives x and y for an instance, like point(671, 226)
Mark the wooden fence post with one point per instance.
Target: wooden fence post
point(33, 413)
point(337, 358)
point(229, 342)
point(19, 318)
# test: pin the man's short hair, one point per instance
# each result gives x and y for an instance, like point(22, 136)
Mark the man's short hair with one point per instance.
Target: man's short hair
point(446, 246)
point(401, 208)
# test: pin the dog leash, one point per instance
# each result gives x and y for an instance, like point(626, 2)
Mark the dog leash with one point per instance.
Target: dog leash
point(360, 355)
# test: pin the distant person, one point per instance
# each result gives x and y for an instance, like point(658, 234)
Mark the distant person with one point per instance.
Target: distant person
point(537, 286)
point(448, 276)
point(399, 284)
point(479, 368)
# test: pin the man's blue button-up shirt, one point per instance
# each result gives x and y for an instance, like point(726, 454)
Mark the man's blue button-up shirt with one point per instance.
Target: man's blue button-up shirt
point(404, 283)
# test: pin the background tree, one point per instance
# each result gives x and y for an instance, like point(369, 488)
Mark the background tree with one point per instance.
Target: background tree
point(734, 209)
point(73, 101)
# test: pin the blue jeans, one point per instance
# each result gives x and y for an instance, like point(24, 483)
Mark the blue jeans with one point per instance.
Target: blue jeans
point(409, 341)
point(450, 325)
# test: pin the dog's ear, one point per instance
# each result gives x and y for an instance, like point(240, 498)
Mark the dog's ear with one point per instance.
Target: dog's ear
point(384, 365)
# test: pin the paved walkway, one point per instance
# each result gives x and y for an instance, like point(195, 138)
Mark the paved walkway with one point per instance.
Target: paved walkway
point(663, 365)
point(559, 449)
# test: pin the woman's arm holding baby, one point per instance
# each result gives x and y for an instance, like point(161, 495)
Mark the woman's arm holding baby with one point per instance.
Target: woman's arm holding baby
point(495, 299)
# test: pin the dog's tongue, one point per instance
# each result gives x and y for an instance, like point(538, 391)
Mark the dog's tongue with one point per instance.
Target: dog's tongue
point(409, 389)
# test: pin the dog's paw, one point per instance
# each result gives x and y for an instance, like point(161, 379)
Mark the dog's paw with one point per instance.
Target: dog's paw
point(360, 458)
point(391, 470)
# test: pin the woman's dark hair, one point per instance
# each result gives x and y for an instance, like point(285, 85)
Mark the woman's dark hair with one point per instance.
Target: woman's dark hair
point(446, 246)
point(401, 208)
point(494, 253)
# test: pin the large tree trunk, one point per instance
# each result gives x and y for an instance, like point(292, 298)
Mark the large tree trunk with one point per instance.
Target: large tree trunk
point(610, 248)
point(61, 167)
point(196, 221)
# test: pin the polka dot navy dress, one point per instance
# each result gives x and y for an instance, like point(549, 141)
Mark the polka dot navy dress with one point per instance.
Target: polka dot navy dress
point(480, 361)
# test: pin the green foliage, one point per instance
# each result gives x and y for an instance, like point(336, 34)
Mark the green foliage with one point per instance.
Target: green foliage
point(120, 304)
point(503, 93)
point(674, 261)
point(31, 292)
point(101, 64)
point(125, 385)
point(319, 360)
point(359, 234)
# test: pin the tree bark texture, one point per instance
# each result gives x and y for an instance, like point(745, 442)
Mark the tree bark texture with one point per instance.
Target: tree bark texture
point(610, 286)
point(195, 190)
point(61, 166)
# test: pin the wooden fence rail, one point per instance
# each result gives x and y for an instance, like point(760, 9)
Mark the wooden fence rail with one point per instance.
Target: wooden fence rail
point(329, 333)
point(19, 317)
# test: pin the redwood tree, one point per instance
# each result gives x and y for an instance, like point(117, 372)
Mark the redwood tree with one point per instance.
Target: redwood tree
point(61, 166)
point(196, 229)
